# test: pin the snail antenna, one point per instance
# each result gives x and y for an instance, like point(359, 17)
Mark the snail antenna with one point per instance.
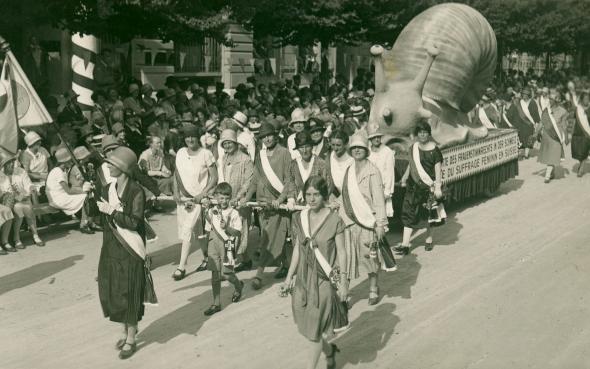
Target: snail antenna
point(380, 82)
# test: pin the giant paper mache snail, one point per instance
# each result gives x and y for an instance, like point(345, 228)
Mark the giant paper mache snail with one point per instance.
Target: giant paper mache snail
point(437, 70)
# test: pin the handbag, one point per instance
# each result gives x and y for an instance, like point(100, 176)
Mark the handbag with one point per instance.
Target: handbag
point(389, 264)
point(436, 211)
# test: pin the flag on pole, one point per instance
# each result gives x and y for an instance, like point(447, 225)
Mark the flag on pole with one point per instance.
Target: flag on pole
point(30, 109)
point(8, 117)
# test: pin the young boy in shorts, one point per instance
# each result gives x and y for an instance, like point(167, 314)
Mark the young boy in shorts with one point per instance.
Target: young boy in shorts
point(224, 226)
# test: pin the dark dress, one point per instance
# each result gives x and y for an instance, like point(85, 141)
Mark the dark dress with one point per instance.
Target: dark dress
point(313, 293)
point(580, 142)
point(414, 214)
point(121, 275)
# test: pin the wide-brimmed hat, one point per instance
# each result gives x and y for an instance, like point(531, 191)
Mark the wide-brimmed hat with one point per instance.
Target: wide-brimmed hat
point(62, 155)
point(526, 90)
point(159, 111)
point(357, 110)
point(133, 87)
point(228, 135)
point(117, 128)
point(123, 158)
point(240, 119)
point(323, 105)
point(316, 124)
point(31, 138)
point(109, 142)
point(146, 87)
point(86, 131)
point(298, 116)
point(266, 130)
point(485, 98)
point(358, 141)
point(81, 153)
point(210, 124)
point(303, 139)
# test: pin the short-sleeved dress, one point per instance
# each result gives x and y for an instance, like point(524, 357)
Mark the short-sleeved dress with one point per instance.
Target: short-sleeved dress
point(216, 245)
point(313, 294)
point(414, 213)
point(58, 197)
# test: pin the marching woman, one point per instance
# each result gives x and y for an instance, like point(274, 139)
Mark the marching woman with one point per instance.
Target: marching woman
point(581, 134)
point(338, 162)
point(522, 120)
point(124, 280)
point(363, 212)
point(423, 183)
point(319, 261)
point(195, 176)
point(553, 134)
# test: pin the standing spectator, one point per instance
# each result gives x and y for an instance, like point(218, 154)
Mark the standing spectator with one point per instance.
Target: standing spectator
point(133, 101)
point(15, 180)
point(35, 61)
point(383, 158)
point(71, 115)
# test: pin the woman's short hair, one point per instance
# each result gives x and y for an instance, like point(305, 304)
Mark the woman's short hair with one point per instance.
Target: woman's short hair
point(341, 135)
point(223, 188)
point(422, 126)
point(319, 183)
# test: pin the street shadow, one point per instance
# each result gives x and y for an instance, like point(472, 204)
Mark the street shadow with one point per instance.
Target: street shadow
point(559, 172)
point(368, 335)
point(189, 318)
point(391, 284)
point(166, 256)
point(585, 167)
point(35, 273)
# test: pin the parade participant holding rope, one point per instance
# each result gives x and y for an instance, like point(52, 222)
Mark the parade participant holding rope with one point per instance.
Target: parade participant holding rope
point(319, 262)
point(270, 185)
point(124, 280)
point(363, 212)
point(194, 177)
point(554, 135)
point(236, 168)
point(224, 225)
point(423, 183)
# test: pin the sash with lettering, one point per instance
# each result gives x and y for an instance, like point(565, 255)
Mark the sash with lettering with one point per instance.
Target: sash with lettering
point(133, 243)
point(582, 120)
point(419, 175)
point(355, 205)
point(311, 253)
point(271, 181)
point(303, 173)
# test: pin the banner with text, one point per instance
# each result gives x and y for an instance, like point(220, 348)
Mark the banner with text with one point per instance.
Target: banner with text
point(462, 161)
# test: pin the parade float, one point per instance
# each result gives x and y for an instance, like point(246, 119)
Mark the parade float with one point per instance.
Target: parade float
point(438, 70)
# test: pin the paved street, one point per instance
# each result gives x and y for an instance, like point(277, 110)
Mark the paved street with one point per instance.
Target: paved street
point(506, 286)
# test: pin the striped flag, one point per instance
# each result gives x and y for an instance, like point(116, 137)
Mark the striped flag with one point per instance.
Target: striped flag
point(8, 118)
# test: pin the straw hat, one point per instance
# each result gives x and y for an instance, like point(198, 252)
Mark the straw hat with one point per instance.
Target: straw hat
point(374, 131)
point(210, 125)
point(228, 135)
point(240, 119)
point(62, 155)
point(81, 153)
point(357, 110)
point(123, 158)
point(31, 138)
point(358, 141)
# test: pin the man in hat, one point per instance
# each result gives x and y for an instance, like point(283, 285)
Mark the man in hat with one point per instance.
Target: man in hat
point(148, 103)
point(318, 133)
point(296, 124)
point(384, 159)
point(236, 168)
point(219, 96)
point(72, 113)
point(197, 101)
point(269, 182)
point(167, 103)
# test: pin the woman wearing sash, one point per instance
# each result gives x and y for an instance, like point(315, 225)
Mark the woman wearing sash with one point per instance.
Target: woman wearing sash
point(422, 180)
point(521, 119)
point(319, 253)
point(363, 212)
point(194, 177)
point(124, 280)
point(554, 135)
point(338, 162)
point(271, 173)
point(581, 134)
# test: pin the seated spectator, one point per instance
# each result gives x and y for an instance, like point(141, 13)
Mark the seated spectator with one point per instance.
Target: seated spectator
point(119, 133)
point(158, 166)
point(6, 224)
point(35, 162)
point(63, 197)
point(15, 181)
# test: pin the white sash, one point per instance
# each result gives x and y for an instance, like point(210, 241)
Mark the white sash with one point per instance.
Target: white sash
point(220, 163)
point(132, 238)
point(506, 120)
point(425, 177)
point(305, 173)
point(583, 120)
point(338, 169)
point(525, 110)
point(291, 146)
point(361, 209)
point(483, 117)
point(326, 267)
point(270, 174)
point(555, 127)
point(216, 223)
point(107, 173)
